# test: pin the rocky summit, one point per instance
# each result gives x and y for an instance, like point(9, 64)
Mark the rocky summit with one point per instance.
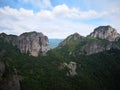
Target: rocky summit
point(72, 38)
point(32, 43)
point(101, 39)
point(105, 32)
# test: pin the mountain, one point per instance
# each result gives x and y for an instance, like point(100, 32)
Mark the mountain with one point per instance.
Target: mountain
point(55, 71)
point(72, 38)
point(53, 43)
point(71, 42)
point(33, 43)
point(101, 39)
point(9, 38)
point(105, 32)
point(77, 63)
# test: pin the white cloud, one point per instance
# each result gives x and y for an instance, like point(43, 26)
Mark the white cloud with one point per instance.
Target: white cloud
point(66, 12)
point(55, 23)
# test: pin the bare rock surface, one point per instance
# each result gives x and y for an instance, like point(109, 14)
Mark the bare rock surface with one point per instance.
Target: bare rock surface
point(33, 43)
point(72, 68)
point(105, 32)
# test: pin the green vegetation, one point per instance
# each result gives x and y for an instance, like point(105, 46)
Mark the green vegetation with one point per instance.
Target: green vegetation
point(29, 33)
point(100, 71)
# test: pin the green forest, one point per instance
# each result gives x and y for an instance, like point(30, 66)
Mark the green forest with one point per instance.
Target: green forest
point(100, 71)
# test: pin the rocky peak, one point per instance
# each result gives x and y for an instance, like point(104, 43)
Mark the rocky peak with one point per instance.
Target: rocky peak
point(73, 37)
point(9, 38)
point(105, 32)
point(29, 42)
point(3, 35)
point(33, 43)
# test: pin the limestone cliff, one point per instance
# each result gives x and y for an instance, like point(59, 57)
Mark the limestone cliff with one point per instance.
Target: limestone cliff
point(33, 43)
point(96, 46)
point(101, 39)
point(105, 32)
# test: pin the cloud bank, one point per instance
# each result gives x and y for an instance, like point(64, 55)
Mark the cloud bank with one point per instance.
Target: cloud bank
point(58, 22)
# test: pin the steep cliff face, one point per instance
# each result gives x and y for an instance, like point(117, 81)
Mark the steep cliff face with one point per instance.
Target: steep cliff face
point(96, 46)
point(103, 38)
point(33, 43)
point(105, 32)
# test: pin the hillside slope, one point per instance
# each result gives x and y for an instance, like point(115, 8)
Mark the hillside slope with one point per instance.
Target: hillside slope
point(78, 63)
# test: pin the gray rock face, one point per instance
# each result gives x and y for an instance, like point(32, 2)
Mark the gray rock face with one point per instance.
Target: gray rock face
point(33, 43)
point(72, 68)
point(105, 32)
point(103, 38)
point(95, 47)
point(102, 32)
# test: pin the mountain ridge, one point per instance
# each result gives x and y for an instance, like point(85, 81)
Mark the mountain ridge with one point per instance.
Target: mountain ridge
point(101, 39)
point(30, 42)
point(81, 63)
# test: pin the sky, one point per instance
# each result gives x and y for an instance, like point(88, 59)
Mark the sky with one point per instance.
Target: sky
point(58, 18)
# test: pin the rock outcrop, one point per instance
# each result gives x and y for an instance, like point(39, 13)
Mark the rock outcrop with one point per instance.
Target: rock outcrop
point(33, 43)
point(105, 32)
point(103, 38)
point(72, 66)
point(95, 47)
point(8, 80)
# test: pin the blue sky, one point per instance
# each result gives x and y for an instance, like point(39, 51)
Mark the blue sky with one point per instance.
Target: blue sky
point(58, 18)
